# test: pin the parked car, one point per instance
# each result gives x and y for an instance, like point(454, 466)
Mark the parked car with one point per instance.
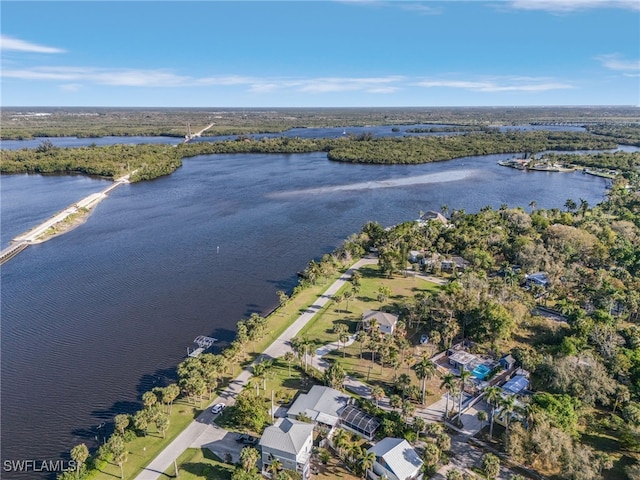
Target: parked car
point(217, 408)
point(247, 439)
point(424, 339)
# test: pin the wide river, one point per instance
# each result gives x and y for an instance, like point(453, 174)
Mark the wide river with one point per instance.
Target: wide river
point(95, 317)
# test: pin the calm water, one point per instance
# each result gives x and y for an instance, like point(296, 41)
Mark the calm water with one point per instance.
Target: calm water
point(95, 317)
point(378, 131)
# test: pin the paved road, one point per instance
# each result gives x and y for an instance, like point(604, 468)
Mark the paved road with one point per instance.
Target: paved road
point(201, 432)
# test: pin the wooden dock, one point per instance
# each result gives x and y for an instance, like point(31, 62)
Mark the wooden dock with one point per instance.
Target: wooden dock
point(202, 343)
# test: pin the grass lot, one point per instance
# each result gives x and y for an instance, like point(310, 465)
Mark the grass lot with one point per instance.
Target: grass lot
point(143, 449)
point(320, 331)
point(200, 463)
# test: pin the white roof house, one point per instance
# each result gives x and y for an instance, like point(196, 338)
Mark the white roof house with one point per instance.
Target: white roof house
point(386, 321)
point(321, 404)
point(289, 441)
point(396, 459)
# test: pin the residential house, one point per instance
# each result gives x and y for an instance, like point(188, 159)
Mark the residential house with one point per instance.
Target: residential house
point(323, 405)
point(289, 441)
point(385, 321)
point(515, 385)
point(538, 278)
point(396, 459)
point(455, 263)
point(507, 362)
point(432, 215)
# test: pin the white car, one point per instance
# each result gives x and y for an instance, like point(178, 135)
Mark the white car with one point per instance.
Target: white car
point(217, 408)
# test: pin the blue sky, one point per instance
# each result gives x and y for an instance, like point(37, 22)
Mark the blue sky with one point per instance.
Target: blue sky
point(320, 54)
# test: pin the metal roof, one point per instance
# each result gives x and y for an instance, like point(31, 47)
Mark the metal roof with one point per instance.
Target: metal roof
point(286, 435)
point(322, 404)
point(399, 457)
point(516, 384)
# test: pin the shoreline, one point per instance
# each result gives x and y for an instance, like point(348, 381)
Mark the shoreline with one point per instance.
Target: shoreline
point(64, 221)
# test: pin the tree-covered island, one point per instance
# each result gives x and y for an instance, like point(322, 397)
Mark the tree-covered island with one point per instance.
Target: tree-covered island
point(152, 160)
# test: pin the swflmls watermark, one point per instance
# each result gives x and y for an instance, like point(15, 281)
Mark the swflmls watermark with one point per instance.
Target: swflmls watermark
point(31, 465)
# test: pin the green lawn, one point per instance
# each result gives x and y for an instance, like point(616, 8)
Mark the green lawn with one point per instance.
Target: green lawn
point(285, 385)
point(143, 449)
point(200, 463)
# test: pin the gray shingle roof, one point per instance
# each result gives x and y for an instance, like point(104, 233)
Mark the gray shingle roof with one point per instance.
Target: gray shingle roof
point(399, 456)
point(286, 435)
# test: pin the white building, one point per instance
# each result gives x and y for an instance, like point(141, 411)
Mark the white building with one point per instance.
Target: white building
point(386, 321)
point(396, 459)
point(323, 405)
point(289, 441)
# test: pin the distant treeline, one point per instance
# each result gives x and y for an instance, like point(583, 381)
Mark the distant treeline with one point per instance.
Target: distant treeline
point(413, 150)
point(152, 160)
point(623, 161)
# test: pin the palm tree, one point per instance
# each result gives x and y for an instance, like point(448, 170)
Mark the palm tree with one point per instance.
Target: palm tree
point(508, 405)
point(119, 451)
point(448, 382)
point(361, 338)
point(377, 393)
point(464, 377)
point(289, 357)
point(79, 454)
point(162, 423)
point(348, 295)
point(425, 370)
point(404, 382)
point(367, 459)
point(570, 205)
point(395, 401)
point(344, 338)
point(248, 458)
point(492, 396)
point(259, 371)
point(121, 422)
point(171, 392)
point(341, 440)
point(274, 467)
point(482, 417)
point(408, 409)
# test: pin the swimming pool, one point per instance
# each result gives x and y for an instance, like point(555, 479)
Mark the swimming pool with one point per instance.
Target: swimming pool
point(481, 371)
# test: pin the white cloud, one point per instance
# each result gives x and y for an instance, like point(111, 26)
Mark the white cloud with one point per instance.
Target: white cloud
point(70, 87)
point(116, 77)
point(508, 84)
point(345, 84)
point(563, 6)
point(165, 78)
point(17, 45)
point(614, 61)
point(161, 78)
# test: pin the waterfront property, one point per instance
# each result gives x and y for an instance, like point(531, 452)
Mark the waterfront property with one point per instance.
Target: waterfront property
point(323, 405)
point(385, 321)
point(396, 459)
point(290, 442)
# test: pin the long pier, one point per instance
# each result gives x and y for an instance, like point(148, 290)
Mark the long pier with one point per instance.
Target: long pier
point(191, 136)
point(22, 241)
